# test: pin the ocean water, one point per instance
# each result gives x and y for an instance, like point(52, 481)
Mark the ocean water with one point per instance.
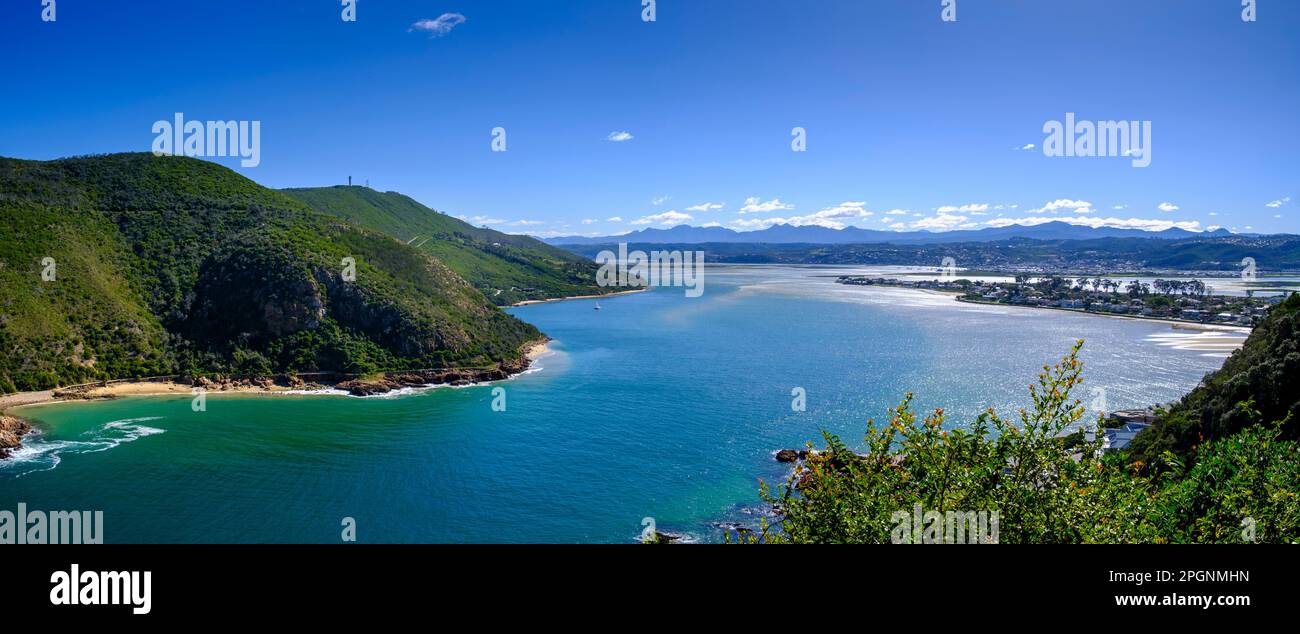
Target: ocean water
point(657, 406)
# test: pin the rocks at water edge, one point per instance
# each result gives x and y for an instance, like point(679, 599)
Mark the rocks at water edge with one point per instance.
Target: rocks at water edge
point(396, 381)
point(12, 431)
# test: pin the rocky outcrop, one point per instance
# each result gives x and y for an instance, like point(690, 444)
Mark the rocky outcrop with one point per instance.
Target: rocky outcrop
point(12, 431)
point(455, 377)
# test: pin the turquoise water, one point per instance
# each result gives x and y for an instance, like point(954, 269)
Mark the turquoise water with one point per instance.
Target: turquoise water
point(658, 406)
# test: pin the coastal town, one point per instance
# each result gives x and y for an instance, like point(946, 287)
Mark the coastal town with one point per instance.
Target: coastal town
point(1174, 299)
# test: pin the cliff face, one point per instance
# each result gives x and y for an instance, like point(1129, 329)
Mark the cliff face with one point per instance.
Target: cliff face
point(12, 431)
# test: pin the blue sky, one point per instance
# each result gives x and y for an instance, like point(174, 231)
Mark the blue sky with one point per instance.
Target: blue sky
point(904, 113)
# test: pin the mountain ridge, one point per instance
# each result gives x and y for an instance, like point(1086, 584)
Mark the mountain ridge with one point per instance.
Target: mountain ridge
point(506, 268)
point(808, 234)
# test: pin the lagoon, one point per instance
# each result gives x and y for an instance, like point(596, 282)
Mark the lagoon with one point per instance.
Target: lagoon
point(656, 406)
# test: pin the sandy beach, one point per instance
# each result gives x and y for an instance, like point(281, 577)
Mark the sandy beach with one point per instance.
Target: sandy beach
point(565, 299)
point(166, 388)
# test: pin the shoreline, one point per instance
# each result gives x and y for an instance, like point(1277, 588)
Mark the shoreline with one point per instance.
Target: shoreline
point(530, 302)
point(1176, 323)
point(13, 427)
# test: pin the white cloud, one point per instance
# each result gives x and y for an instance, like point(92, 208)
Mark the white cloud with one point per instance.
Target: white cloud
point(966, 209)
point(1119, 207)
point(439, 27)
point(753, 205)
point(837, 217)
point(702, 207)
point(588, 221)
point(1027, 146)
point(526, 223)
point(1278, 203)
point(620, 136)
point(1097, 222)
point(711, 224)
point(898, 212)
point(660, 200)
point(673, 217)
point(1077, 206)
point(943, 221)
point(1167, 207)
point(614, 219)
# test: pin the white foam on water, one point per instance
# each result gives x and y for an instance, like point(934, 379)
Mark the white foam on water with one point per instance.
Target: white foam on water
point(40, 454)
point(1218, 342)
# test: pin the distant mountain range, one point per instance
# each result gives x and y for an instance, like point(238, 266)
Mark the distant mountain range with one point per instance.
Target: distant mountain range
point(787, 234)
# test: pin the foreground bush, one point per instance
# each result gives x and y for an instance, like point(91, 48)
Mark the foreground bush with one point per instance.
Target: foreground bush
point(1032, 483)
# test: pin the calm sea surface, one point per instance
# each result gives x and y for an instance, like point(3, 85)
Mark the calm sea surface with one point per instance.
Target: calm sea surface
point(658, 406)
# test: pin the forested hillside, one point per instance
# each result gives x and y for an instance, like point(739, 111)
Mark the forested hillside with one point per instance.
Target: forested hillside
point(170, 265)
point(506, 268)
point(1264, 372)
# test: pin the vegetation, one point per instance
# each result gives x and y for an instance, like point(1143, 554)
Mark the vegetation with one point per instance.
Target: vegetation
point(1222, 466)
point(506, 268)
point(1265, 371)
point(171, 265)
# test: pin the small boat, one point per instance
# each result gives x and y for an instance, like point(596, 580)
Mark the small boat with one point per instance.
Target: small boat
point(597, 305)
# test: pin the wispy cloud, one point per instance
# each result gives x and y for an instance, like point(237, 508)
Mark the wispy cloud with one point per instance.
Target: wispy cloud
point(660, 200)
point(968, 209)
point(1097, 222)
point(755, 205)
point(673, 217)
point(1167, 207)
point(620, 136)
point(614, 219)
point(943, 221)
point(1077, 206)
point(1279, 202)
point(702, 207)
point(837, 217)
point(439, 27)
point(1027, 146)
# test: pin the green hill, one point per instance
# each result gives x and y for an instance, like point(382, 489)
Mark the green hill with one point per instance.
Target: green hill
point(506, 268)
point(1264, 371)
point(170, 265)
